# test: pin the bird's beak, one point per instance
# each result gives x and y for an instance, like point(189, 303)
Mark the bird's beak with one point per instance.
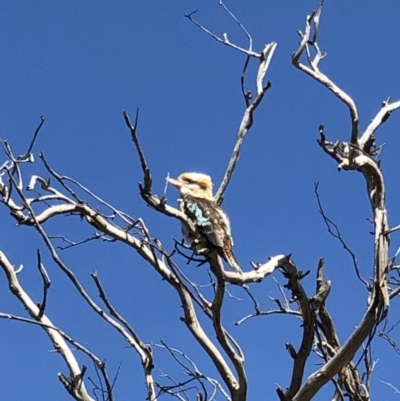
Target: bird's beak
point(175, 183)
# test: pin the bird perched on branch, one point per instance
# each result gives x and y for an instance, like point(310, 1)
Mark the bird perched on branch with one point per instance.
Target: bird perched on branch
point(209, 225)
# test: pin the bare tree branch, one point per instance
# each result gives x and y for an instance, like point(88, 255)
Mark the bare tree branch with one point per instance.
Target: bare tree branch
point(231, 348)
point(378, 120)
point(333, 229)
point(350, 156)
point(313, 71)
point(264, 59)
point(28, 153)
point(396, 390)
point(298, 294)
point(224, 40)
point(192, 371)
point(98, 363)
point(46, 284)
point(44, 199)
point(74, 383)
point(145, 168)
point(248, 116)
point(142, 349)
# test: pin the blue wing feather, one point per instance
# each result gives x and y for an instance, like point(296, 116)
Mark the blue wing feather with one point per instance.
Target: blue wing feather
point(210, 219)
point(213, 224)
point(201, 218)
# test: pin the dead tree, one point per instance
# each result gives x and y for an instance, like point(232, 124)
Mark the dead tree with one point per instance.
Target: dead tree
point(41, 198)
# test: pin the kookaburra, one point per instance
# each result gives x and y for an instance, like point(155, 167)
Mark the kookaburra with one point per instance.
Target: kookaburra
point(210, 226)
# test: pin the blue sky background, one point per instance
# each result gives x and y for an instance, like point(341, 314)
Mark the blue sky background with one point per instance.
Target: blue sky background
point(80, 64)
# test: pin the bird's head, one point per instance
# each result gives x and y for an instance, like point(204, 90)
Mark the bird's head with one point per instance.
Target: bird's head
point(194, 184)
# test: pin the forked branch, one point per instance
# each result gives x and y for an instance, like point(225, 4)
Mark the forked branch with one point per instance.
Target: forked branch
point(353, 155)
point(252, 102)
point(74, 384)
point(309, 39)
point(300, 357)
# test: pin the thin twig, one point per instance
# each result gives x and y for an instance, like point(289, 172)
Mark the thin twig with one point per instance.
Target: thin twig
point(224, 40)
point(145, 168)
point(46, 284)
point(36, 133)
point(335, 232)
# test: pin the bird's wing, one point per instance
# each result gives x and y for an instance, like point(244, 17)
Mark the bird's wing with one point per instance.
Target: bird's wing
point(225, 224)
point(210, 219)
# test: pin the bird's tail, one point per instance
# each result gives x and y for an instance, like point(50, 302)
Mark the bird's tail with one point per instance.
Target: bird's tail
point(231, 259)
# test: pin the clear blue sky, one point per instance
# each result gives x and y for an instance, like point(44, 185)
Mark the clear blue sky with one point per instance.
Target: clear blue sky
point(80, 64)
